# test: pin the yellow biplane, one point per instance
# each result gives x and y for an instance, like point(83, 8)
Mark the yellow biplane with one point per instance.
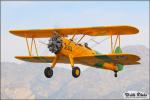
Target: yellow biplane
point(69, 51)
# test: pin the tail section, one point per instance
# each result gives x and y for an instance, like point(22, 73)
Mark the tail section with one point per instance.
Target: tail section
point(118, 50)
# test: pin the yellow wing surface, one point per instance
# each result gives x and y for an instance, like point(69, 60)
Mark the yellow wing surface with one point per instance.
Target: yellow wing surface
point(124, 59)
point(42, 59)
point(92, 31)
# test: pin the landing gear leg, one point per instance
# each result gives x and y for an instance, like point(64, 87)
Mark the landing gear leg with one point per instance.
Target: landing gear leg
point(54, 61)
point(48, 72)
point(75, 70)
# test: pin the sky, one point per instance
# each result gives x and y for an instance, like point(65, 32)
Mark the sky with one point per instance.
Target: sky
point(54, 14)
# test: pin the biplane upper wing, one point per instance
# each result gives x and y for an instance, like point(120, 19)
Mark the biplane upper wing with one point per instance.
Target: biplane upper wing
point(92, 31)
point(124, 59)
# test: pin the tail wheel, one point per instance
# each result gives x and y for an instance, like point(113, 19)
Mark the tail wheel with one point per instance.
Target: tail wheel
point(48, 72)
point(115, 73)
point(76, 72)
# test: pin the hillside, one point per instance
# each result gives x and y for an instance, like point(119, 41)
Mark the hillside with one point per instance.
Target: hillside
point(26, 80)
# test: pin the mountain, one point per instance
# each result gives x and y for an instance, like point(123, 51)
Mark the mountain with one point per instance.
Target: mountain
point(27, 81)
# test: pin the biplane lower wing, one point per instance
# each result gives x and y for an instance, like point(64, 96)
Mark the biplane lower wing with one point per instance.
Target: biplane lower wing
point(124, 59)
point(42, 59)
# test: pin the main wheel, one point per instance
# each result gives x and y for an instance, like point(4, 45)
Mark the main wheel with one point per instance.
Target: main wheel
point(48, 72)
point(76, 72)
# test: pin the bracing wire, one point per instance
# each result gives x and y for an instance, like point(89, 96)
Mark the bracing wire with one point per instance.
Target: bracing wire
point(99, 42)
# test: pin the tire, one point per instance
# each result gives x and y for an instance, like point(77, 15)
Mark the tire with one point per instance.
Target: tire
point(76, 72)
point(115, 74)
point(48, 72)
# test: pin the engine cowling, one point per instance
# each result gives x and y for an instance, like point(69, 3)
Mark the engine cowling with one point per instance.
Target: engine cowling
point(55, 44)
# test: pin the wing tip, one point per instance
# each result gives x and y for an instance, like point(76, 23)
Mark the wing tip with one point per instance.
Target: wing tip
point(137, 57)
point(134, 30)
point(11, 31)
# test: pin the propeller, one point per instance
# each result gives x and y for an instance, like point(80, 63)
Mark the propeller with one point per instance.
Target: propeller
point(55, 43)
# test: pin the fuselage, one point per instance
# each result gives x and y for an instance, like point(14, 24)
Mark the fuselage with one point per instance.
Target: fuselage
point(76, 50)
point(72, 48)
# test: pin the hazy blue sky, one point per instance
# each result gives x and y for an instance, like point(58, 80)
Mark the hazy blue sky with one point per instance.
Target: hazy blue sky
point(34, 15)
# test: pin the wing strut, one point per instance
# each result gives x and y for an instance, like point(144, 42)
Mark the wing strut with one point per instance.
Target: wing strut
point(31, 46)
point(117, 40)
point(28, 47)
point(81, 38)
point(35, 47)
point(73, 37)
